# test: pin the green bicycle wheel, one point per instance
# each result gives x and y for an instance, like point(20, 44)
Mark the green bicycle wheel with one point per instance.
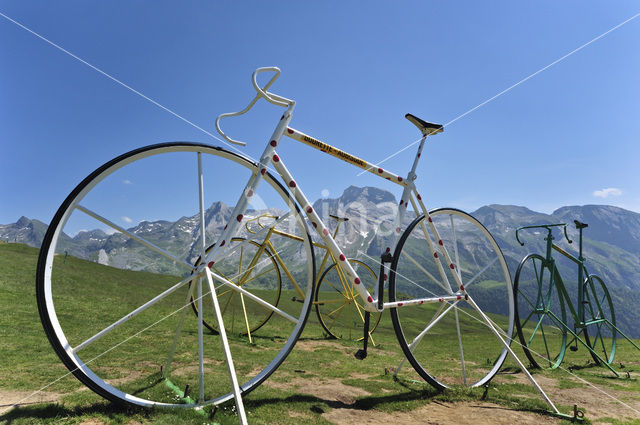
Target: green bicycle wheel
point(600, 320)
point(540, 313)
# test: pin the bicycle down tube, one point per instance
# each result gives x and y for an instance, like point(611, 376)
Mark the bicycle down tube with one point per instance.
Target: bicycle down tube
point(270, 157)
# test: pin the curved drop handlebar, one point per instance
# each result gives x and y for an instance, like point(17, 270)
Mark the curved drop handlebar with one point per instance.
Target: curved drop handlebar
point(546, 226)
point(262, 92)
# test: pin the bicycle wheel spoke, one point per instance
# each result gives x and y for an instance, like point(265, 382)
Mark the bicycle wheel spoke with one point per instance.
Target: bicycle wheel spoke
point(258, 276)
point(527, 319)
point(132, 314)
point(546, 346)
point(484, 269)
point(429, 275)
point(227, 302)
point(349, 294)
point(255, 298)
point(335, 288)
point(135, 237)
point(176, 336)
point(335, 316)
point(535, 330)
point(464, 370)
point(522, 295)
point(434, 320)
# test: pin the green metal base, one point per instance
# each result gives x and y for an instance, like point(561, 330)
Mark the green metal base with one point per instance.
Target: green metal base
point(578, 415)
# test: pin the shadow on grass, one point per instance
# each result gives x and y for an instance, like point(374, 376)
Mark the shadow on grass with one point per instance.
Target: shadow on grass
point(361, 403)
point(52, 411)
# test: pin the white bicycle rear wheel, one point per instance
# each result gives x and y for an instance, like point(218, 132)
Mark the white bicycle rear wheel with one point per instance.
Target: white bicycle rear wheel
point(448, 342)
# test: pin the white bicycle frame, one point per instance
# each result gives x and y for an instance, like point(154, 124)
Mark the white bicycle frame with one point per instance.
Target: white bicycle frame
point(455, 289)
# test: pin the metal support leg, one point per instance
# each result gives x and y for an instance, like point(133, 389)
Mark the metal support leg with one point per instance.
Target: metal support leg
point(227, 352)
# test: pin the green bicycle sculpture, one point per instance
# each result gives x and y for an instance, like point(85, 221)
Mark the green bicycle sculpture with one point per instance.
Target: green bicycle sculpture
point(542, 301)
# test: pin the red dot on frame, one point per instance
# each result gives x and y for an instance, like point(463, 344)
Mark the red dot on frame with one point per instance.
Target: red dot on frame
point(419, 197)
point(384, 277)
point(292, 184)
point(430, 220)
point(276, 158)
point(274, 143)
point(400, 304)
point(222, 243)
point(357, 281)
point(239, 217)
point(325, 231)
point(440, 242)
point(370, 299)
point(399, 178)
point(342, 257)
point(290, 131)
point(315, 225)
point(309, 210)
point(380, 170)
point(435, 255)
point(210, 264)
point(249, 193)
point(451, 266)
point(264, 170)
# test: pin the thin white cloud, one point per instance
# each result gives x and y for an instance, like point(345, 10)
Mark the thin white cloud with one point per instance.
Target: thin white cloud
point(126, 219)
point(605, 193)
point(126, 181)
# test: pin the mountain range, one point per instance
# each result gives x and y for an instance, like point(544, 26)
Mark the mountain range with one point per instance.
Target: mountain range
point(611, 243)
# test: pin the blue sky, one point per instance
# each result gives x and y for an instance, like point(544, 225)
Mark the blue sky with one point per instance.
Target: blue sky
point(566, 136)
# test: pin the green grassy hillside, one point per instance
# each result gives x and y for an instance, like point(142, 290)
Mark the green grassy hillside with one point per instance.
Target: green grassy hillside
point(294, 394)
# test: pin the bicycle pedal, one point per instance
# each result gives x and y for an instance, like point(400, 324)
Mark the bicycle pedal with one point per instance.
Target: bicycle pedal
point(573, 348)
point(360, 354)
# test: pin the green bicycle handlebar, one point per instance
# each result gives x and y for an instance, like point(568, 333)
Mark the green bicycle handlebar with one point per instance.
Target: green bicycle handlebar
point(546, 226)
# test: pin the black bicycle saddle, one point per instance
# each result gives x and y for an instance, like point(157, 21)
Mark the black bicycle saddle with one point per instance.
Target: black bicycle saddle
point(426, 128)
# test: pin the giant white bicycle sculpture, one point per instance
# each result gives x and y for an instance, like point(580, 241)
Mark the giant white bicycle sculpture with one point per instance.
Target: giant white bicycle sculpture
point(132, 342)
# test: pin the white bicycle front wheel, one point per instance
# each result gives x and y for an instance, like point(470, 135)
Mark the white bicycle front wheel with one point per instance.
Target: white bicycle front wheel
point(113, 279)
point(449, 342)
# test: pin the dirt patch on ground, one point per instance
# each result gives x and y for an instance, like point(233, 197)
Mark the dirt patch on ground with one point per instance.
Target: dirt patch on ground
point(442, 414)
point(330, 390)
point(24, 398)
point(342, 398)
point(596, 401)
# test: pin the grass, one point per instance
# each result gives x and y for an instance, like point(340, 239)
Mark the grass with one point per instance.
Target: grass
point(29, 363)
